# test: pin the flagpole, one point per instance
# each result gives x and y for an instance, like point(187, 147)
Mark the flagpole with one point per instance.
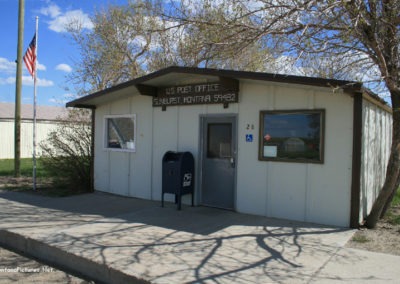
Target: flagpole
point(34, 105)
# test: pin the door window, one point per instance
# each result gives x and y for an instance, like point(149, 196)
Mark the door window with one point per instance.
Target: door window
point(219, 140)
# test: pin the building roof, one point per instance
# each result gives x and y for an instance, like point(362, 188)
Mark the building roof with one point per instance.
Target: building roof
point(7, 111)
point(146, 85)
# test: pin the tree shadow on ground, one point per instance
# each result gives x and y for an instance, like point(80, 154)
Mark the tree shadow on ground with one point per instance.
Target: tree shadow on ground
point(157, 244)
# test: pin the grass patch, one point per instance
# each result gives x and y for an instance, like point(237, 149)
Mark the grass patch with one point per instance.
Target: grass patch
point(47, 184)
point(360, 238)
point(393, 214)
point(393, 218)
point(52, 191)
point(396, 199)
point(26, 166)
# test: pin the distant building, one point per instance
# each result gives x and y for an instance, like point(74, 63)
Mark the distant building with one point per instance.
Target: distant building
point(294, 144)
point(47, 118)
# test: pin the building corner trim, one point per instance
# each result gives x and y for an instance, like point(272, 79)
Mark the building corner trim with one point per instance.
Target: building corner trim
point(356, 161)
point(92, 150)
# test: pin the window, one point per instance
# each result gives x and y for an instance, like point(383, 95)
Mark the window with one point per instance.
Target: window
point(120, 132)
point(219, 140)
point(292, 136)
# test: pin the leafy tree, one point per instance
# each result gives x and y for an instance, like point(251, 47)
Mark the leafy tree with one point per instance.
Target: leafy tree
point(363, 32)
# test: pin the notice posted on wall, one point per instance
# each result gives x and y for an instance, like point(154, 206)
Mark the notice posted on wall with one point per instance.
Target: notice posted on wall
point(270, 151)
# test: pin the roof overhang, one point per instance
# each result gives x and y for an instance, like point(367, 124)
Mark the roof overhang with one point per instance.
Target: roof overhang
point(174, 76)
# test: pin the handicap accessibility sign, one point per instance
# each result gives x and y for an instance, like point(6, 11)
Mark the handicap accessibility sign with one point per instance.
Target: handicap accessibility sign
point(249, 137)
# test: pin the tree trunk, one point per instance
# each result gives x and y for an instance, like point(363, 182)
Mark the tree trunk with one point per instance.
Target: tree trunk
point(388, 188)
point(392, 173)
point(390, 199)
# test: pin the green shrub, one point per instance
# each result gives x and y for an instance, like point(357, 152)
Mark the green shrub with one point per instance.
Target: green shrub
point(66, 154)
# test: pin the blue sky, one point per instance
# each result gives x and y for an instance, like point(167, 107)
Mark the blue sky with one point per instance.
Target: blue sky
point(56, 52)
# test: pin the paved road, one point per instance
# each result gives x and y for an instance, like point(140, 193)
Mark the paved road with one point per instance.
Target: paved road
point(16, 268)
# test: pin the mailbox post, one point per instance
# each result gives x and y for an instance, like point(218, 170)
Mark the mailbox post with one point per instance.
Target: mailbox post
point(177, 175)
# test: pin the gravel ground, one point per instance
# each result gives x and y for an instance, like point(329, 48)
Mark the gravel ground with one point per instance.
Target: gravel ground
point(16, 268)
point(385, 238)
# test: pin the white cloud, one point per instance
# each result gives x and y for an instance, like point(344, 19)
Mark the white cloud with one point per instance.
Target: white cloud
point(53, 11)
point(61, 20)
point(70, 96)
point(40, 66)
point(64, 67)
point(54, 101)
point(27, 100)
point(28, 81)
point(283, 65)
point(44, 83)
point(63, 99)
point(6, 66)
point(7, 81)
point(76, 17)
point(9, 67)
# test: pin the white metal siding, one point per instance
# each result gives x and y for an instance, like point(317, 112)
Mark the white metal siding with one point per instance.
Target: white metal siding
point(177, 129)
point(101, 157)
point(43, 128)
point(125, 173)
point(376, 143)
point(139, 174)
point(308, 192)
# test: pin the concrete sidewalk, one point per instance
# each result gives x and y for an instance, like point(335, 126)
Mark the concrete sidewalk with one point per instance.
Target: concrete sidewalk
point(124, 240)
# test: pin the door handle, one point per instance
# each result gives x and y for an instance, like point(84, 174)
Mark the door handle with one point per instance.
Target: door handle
point(232, 160)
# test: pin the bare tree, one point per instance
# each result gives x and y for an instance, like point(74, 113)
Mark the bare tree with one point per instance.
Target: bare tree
point(130, 40)
point(362, 36)
point(364, 32)
point(114, 50)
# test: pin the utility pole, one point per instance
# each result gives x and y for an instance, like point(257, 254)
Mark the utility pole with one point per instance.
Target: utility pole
point(18, 85)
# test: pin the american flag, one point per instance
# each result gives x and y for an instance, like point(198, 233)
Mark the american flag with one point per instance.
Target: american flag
point(30, 56)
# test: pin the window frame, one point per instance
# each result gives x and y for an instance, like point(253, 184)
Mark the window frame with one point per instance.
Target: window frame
point(321, 112)
point(105, 133)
